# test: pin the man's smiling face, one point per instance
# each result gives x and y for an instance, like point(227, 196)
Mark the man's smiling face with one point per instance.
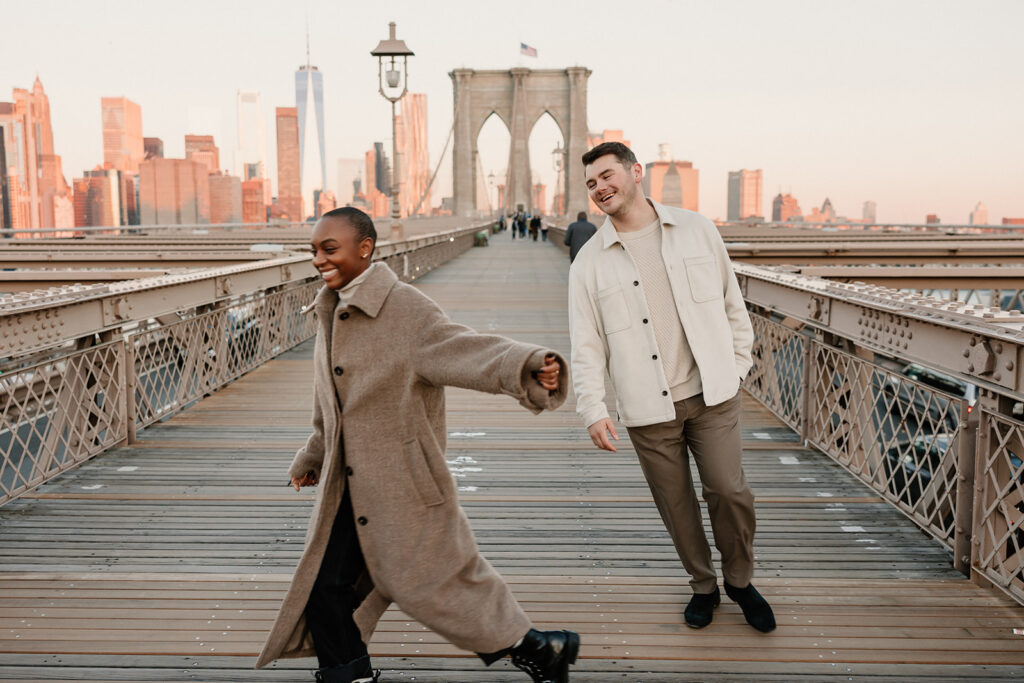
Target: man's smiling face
point(611, 185)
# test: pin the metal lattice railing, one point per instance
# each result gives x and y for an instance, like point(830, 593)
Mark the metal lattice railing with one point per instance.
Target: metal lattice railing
point(897, 435)
point(59, 413)
point(71, 406)
point(177, 364)
point(999, 503)
point(777, 376)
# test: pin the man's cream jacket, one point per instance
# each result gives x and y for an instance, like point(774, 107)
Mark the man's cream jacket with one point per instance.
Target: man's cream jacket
point(609, 322)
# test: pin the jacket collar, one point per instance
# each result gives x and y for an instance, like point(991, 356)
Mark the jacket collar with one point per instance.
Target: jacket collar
point(610, 236)
point(369, 295)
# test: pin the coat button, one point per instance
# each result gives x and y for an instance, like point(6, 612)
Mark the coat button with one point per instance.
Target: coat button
point(645, 321)
point(338, 371)
point(343, 316)
point(654, 357)
point(664, 393)
point(348, 471)
point(362, 521)
point(636, 283)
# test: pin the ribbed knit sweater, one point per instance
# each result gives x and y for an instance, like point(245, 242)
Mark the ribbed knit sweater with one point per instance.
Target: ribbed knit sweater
point(681, 370)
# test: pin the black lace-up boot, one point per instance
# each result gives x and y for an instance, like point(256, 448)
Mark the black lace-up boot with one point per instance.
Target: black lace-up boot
point(356, 671)
point(546, 655)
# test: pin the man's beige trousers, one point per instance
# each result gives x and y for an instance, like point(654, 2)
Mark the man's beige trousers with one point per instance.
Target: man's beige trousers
point(712, 434)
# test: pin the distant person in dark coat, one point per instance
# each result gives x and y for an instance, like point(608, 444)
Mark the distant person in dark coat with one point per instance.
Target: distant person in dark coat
point(578, 234)
point(534, 227)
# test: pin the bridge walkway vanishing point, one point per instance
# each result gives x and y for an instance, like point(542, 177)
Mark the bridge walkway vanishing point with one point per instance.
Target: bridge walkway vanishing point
point(166, 560)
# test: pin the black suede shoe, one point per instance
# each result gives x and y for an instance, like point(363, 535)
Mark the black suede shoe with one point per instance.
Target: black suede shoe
point(756, 609)
point(701, 608)
point(546, 655)
point(356, 671)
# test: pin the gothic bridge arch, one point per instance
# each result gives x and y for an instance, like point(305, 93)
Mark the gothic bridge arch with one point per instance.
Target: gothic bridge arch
point(519, 97)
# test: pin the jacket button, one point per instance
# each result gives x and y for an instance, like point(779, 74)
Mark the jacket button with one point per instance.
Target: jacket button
point(348, 471)
point(645, 321)
point(343, 316)
point(664, 393)
point(338, 371)
point(636, 283)
point(654, 357)
point(362, 521)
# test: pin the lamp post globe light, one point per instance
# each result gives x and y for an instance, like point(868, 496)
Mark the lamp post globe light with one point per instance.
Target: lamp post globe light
point(393, 75)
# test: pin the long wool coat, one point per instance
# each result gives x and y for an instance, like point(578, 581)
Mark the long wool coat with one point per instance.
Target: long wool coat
point(379, 429)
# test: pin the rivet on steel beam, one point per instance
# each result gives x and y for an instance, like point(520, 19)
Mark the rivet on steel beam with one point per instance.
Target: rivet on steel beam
point(972, 341)
point(1009, 365)
point(970, 367)
point(967, 353)
point(998, 377)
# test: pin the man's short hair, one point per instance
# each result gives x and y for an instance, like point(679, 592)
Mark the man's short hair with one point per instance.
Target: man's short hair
point(360, 222)
point(622, 153)
point(581, 216)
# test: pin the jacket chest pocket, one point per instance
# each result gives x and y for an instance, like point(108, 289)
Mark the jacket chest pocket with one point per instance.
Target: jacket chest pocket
point(419, 471)
point(702, 274)
point(614, 309)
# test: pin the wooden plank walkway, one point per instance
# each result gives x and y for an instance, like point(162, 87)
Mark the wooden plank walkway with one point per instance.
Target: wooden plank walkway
point(166, 560)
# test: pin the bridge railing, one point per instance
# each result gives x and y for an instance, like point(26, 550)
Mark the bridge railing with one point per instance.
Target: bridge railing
point(82, 369)
point(920, 398)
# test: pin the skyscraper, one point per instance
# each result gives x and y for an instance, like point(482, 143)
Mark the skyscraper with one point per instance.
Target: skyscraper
point(174, 192)
point(784, 207)
point(225, 198)
point(123, 148)
point(980, 215)
point(254, 206)
point(309, 103)
point(414, 157)
point(289, 187)
point(870, 212)
point(37, 195)
point(349, 172)
point(153, 147)
point(745, 194)
point(252, 137)
point(671, 182)
point(201, 148)
point(5, 197)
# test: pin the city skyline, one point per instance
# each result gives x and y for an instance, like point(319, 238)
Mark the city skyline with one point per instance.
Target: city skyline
point(853, 102)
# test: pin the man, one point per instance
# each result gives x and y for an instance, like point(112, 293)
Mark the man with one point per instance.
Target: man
point(653, 299)
point(577, 234)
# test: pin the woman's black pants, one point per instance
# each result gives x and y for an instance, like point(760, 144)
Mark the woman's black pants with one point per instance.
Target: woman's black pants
point(334, 599)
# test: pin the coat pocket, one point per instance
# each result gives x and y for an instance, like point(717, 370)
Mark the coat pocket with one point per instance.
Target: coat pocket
point(702, 274)
point(419, 470)
point(614, 309)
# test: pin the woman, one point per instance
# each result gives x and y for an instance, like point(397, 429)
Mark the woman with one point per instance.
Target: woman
point(386, 526)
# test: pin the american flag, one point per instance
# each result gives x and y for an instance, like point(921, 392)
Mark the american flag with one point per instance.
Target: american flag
point(527, 50)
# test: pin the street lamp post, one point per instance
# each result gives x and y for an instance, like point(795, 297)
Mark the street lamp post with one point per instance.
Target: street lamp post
point(396, 74)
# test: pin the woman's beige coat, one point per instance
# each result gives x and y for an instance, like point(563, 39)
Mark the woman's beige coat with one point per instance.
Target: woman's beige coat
point(381, 365)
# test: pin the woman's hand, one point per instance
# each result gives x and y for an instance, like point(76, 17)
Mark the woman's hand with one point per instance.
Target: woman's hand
point(547, 376)
point(308, 479)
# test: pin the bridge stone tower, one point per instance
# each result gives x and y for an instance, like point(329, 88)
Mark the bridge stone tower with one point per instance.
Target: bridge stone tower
point(519, 97)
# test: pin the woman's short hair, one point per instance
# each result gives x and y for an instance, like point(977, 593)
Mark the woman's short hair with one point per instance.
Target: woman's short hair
point(360, 222)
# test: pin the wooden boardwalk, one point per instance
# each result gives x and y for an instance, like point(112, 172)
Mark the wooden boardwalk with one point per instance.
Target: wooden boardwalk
point(166, 561)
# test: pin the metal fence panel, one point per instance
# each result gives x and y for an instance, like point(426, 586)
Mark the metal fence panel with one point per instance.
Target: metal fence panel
point(897, 435)
point(777, 376)
point(59, 413)
point(999, 503)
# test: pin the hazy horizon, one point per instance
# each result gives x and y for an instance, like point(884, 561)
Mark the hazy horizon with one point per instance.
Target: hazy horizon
point(911, 104)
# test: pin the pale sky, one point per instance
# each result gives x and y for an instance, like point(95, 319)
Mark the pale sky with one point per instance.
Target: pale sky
point(915, 104)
